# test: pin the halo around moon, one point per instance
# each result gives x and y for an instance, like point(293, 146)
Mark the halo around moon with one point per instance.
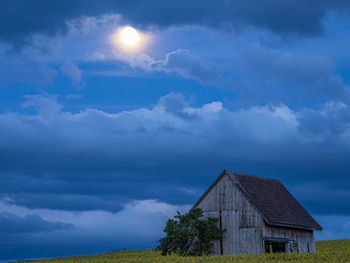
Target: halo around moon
point(129, 39)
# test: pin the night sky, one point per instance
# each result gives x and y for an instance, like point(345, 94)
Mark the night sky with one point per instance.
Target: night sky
point(101, 142)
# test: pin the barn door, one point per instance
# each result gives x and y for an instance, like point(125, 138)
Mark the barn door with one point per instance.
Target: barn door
point(230, 239)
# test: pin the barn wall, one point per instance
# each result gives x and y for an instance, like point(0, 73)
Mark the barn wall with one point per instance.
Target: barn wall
point(305, 238)
point(243, 224)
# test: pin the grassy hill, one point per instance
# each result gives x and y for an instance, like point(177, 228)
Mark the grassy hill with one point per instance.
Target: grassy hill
point(335, 251)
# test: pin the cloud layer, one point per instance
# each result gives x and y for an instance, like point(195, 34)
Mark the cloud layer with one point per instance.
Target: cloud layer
point(13, 224)
point(21, 20)
point(180, 62)
point(55, 159)
point(138, 225)
point(65, 173)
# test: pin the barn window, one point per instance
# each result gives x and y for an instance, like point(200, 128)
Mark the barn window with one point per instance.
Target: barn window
point(275, 245)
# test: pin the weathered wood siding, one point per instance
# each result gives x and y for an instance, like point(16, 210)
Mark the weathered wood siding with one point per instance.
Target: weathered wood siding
point(243, 224)
point(304, 238)
point(245, 227)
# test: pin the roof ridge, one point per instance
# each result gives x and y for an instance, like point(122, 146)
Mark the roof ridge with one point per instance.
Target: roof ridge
point(252, 175)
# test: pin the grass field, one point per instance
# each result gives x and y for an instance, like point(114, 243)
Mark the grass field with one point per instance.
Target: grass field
point(335, 251)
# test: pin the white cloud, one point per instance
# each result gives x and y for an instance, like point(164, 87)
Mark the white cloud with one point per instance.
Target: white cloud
point(48, 108)
point(181, 62)
point(171, 117)
point(73, 96)
point(72, 71)
point(88, 24)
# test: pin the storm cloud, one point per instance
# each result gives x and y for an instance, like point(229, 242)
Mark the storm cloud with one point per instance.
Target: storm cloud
point(95, 160)
point(37, 233)
point(11, 223)
point(20, 20)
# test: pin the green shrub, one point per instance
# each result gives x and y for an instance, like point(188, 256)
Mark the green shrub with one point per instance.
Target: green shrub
point(189, 235)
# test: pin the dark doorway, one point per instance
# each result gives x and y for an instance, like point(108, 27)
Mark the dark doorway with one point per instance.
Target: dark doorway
point(274, 247)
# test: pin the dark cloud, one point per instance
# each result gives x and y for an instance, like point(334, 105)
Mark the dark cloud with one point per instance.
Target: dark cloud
point(273, 75)
point(289, 65)
point(22, 236)
point(94, 160)
point(70, 201)
point(21, 20)
point(189, 66)
point(138, 225)
point(14, 224)
point(332, 120)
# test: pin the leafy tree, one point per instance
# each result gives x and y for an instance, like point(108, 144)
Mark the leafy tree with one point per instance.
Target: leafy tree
point(189, 235)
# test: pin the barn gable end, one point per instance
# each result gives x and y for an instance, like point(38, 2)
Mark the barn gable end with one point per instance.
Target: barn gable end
point(236, 198)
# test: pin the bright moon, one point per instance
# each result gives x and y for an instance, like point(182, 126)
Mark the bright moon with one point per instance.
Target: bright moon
point(129, 36)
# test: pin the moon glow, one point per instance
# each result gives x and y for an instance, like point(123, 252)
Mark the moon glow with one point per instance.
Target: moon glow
point(127, 39)
point(129, 36)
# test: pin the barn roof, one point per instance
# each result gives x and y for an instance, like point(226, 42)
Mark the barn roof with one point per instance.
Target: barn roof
point(276, 204)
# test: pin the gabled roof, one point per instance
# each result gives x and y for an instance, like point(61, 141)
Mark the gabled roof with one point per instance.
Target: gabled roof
point(275, 203)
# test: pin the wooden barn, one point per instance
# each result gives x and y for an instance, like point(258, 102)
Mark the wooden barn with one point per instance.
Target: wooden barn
point(259, 215)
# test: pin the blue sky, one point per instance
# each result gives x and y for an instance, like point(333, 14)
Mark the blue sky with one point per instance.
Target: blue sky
point(100, 145)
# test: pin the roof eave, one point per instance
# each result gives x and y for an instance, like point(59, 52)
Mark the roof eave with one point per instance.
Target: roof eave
point(294, 226)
